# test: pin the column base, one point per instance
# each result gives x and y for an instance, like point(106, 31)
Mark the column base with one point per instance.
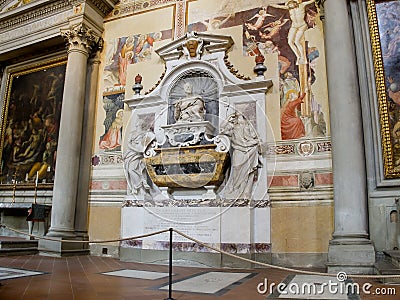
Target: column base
point(351, 255)
point(60, 247)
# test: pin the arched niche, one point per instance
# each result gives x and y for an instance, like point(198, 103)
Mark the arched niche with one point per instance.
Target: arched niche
point(205, 85)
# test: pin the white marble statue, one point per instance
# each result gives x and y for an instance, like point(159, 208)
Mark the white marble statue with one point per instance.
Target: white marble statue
point(139, 185)
point(245, 154)
point(190, 108)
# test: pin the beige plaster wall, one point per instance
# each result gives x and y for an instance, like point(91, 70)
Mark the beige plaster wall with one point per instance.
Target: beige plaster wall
point(301, 229)
point(104, 223)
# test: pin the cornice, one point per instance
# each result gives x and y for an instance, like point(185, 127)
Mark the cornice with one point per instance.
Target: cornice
point(104, 6)
point(14, 21)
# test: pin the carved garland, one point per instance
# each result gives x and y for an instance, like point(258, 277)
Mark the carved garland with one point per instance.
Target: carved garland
point(233, 70)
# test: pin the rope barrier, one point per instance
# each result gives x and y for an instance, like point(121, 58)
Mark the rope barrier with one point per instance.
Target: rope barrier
point(86, 242)
point(279, 267)
point(209, 247)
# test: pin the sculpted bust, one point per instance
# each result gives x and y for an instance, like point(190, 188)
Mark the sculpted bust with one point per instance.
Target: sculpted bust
point(190, 108)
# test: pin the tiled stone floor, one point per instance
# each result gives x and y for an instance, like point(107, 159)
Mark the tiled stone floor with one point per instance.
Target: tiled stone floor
point(82, 278)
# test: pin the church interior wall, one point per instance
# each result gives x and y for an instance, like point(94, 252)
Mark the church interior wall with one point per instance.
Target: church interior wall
point(300, 180)
point(300, 168)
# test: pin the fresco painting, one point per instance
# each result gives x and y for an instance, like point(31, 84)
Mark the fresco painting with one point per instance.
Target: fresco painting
point(111, 139)
point(123, 51)
point(280, 29)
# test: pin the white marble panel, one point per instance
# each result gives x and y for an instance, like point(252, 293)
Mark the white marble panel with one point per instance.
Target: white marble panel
point(132, 221)
point(9, 273)
point(235, 225)
point(262, 225)
point(202, 223)
point(208, 283)
point(139, 274)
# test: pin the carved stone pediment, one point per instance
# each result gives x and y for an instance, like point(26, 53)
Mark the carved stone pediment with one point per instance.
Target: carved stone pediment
point(193, 45)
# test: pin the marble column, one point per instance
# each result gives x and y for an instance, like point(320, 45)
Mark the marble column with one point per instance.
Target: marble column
point(350, 250)
point(81, 213)
point(80, 42)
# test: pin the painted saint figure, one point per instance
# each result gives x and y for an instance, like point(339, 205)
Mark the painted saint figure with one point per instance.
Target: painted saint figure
point(190, 108)
point(245, 157)
point(292, 127)
point(297, 13)
point(112, 139)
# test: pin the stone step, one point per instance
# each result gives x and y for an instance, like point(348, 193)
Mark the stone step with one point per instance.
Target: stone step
point(18, 244)
point(393, 256)
point(18, 251)
point(385, 267)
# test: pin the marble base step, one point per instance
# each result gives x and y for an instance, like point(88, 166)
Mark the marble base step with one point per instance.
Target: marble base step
point(389, 264)
point(15, 246)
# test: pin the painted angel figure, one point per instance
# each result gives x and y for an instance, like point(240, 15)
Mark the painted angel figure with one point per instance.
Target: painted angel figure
point(262, 14)
point(273, 28)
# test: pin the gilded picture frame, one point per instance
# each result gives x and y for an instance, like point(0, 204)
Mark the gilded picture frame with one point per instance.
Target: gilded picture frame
point(384, 27)
point(31, 112)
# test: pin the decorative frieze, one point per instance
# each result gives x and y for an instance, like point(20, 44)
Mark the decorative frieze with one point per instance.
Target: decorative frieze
point(31, 15)
point(130, 7)
point(196, 203)
point(304, 148)
point(107, 159)
point(241, 248)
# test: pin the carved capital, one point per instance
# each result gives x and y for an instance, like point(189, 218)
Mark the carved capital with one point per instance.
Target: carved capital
point(82, 39)
point(96, 50)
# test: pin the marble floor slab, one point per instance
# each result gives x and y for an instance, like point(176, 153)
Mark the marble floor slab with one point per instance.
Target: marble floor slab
point(9, 273)
point(209, 282)
point(138, 274)
point(314, 287)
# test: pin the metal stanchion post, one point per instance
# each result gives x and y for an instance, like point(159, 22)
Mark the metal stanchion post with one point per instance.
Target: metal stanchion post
point(170, 266)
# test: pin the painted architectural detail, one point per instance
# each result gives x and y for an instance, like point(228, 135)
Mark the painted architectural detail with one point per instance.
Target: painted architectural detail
point(306, 180)
point(107, 159)
point(305, 148)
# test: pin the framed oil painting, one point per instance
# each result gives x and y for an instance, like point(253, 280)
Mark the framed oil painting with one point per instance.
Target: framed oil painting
point(30, 124)
point(384, 23)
